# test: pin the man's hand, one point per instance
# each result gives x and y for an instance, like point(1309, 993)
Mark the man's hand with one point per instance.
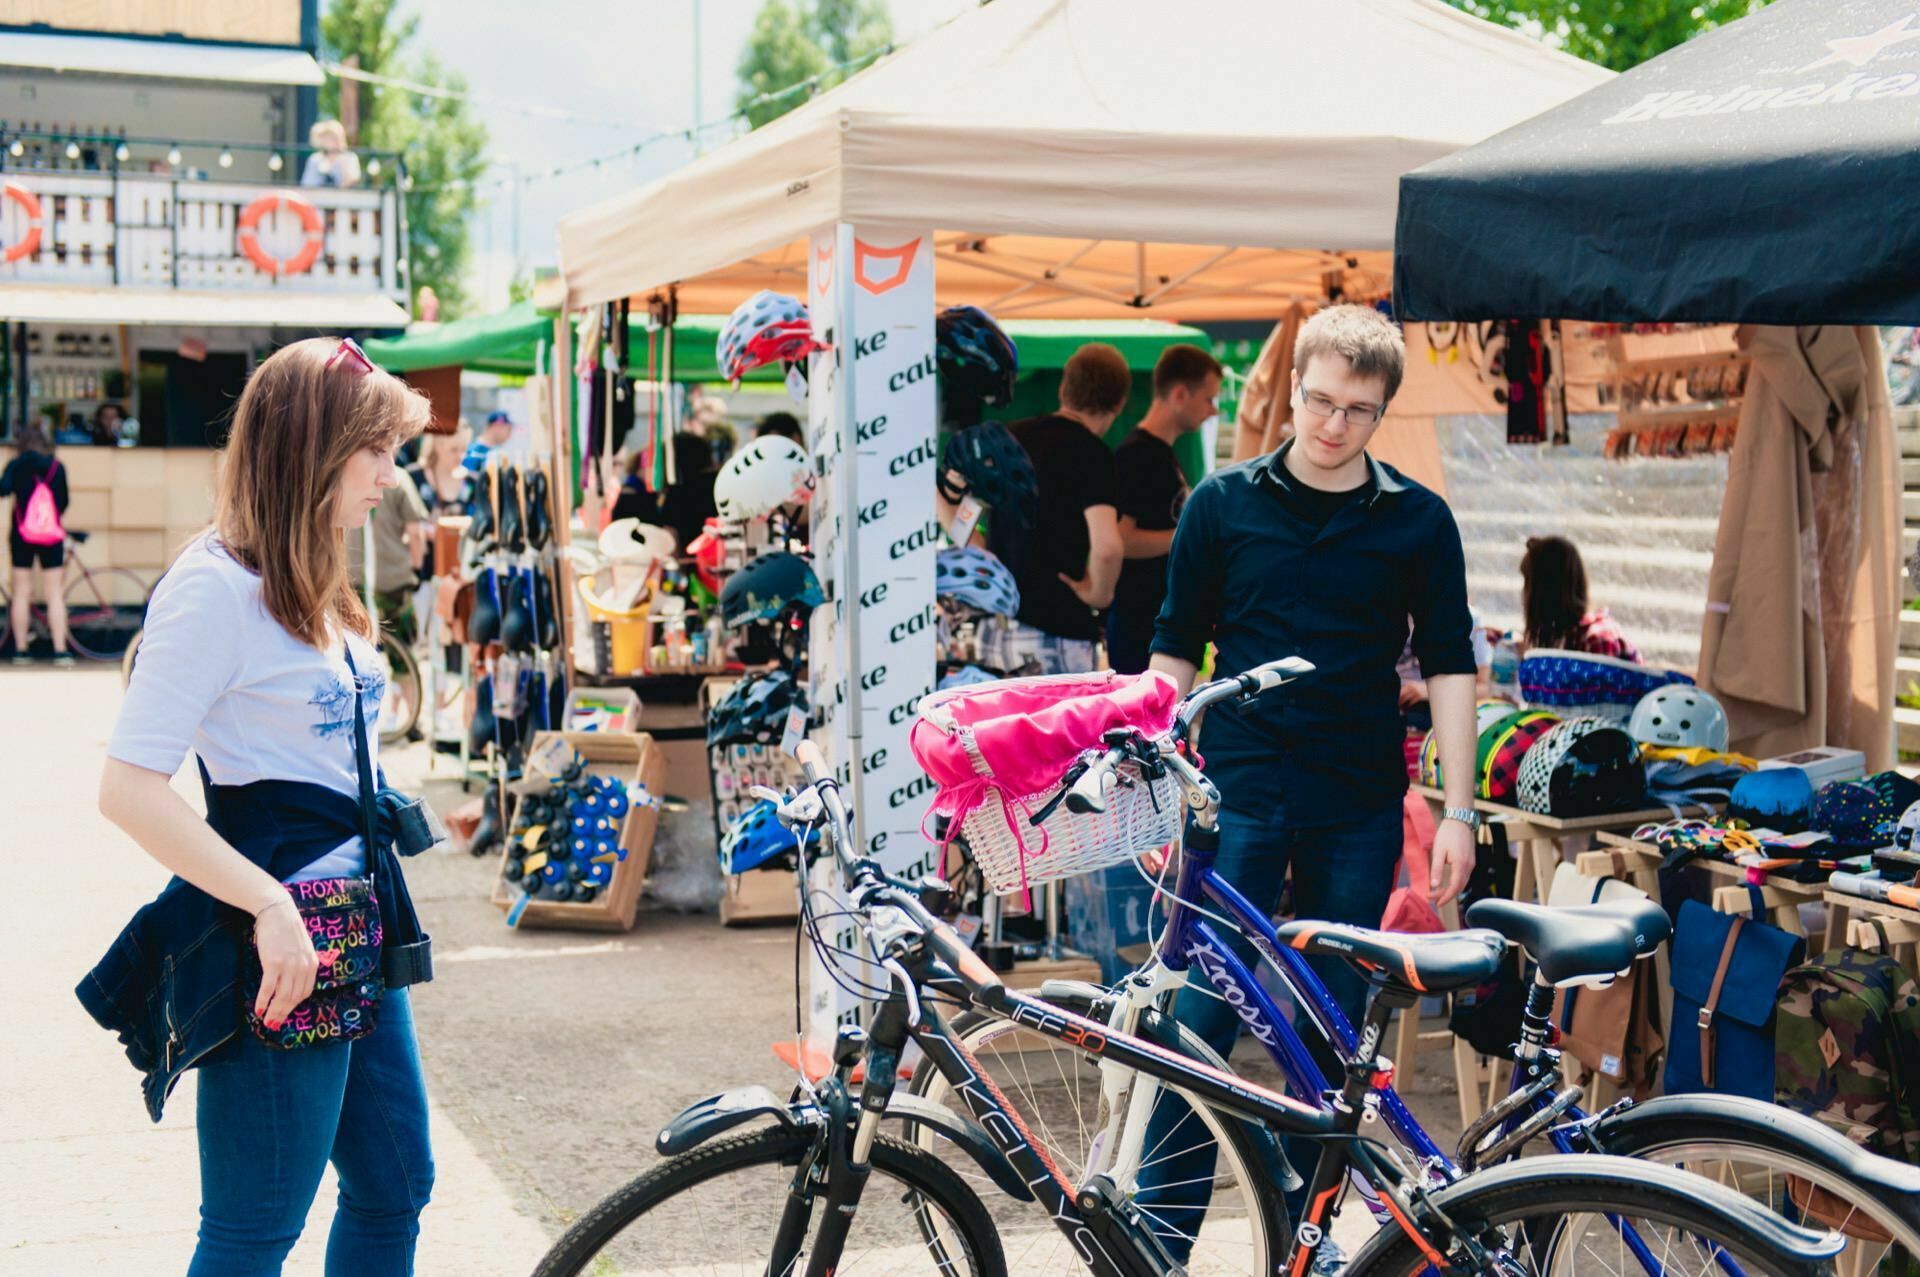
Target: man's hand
point(1083, 590)
point(1452, 861)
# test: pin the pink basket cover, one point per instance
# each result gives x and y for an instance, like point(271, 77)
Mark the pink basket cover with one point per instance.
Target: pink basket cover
point(1018, 736)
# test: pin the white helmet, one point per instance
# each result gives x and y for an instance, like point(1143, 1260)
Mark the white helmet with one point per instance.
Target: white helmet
point(631, 541)
point(1680, 716)
point(768, 473)
point(1906, 834)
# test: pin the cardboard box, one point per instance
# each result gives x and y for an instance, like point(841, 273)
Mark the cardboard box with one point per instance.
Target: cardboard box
point(630, 757)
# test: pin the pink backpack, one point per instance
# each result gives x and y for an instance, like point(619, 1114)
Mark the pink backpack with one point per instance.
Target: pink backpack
point(40, 521)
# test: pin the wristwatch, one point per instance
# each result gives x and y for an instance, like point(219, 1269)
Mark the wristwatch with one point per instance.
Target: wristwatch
point(1465, 815)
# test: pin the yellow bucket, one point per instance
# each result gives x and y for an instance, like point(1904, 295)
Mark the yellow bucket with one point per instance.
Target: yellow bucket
point(629, 629)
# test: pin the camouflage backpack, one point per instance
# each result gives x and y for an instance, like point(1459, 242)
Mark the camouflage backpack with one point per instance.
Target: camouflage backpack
point(1847, 1049)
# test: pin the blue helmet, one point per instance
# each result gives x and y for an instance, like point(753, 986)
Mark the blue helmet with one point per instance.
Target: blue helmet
point(978, 364)
point(966, 676)
point(993, 467)
point(755, 711)
point(977, 581)
point(768, 588)
point(757, 837)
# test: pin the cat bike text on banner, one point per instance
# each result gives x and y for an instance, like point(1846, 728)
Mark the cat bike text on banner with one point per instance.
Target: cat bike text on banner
point(871, 427)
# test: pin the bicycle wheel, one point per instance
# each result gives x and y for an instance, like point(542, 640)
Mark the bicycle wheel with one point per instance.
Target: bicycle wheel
point(1569, 1216)
point(715, 1211)
point(1058, 1091)
point(400, 707)
point(100, 623)
point(1881, 1241)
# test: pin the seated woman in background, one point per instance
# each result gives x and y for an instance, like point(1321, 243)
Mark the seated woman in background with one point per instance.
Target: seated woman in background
point(1553, 594)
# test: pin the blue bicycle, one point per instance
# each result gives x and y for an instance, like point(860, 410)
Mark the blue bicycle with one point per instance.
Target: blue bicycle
point(1096, 1117)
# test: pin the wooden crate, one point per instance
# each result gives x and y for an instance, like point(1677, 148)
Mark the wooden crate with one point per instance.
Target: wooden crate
point(759, 895)
point(626, 756)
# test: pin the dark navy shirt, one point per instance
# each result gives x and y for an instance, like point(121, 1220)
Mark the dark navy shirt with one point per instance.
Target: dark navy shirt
point(1263, 569)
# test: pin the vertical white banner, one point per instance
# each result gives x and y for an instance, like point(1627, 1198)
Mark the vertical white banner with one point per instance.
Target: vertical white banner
point(872, 414)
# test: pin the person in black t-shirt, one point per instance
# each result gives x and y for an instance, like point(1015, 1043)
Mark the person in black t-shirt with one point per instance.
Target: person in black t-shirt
point(34, 463)
point(1152, 490)
point(1067, 561)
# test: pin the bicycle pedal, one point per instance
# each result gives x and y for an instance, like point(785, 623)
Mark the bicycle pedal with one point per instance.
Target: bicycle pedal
point(1119, 1226)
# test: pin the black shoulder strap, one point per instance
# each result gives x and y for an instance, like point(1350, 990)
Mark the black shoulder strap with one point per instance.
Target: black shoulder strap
point(362, 757)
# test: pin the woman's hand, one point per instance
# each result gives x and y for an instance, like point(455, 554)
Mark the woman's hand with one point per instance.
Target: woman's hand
point(287, 964)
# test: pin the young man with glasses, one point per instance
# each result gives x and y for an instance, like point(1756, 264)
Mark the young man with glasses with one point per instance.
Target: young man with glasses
point(1318, 550)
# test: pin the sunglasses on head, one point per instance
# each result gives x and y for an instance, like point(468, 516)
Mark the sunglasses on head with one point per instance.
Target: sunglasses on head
point(350, 347)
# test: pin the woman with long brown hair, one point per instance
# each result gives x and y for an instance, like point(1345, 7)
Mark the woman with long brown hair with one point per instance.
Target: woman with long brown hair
point(34, 466)
point(258, 657)
point(1553, 594)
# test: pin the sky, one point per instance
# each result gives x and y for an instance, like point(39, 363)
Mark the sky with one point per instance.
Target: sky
point(628, 63)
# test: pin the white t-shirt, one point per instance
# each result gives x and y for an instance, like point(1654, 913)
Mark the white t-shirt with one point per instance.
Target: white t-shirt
point(216, 674)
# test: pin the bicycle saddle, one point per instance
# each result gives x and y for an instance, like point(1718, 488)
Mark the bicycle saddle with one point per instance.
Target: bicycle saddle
point(1424, 963)
point(1576, 943)
point(77, 537)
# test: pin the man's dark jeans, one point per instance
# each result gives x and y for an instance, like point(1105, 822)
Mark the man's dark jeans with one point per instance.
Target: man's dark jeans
point(1341, 873)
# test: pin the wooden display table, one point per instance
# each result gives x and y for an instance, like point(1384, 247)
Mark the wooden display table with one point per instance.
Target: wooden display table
point(1535, 838)
point(1901, 924)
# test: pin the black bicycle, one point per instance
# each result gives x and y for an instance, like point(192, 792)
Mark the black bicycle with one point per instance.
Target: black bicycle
point(813, 1185)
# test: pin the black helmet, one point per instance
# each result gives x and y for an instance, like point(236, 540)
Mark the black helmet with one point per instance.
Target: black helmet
point(1599, 773)
point(755, 711)
point(768, 588)
point(993, 467)
point(978, 364)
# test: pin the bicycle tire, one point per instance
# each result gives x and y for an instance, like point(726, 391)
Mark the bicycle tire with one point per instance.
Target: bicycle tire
point(98, 628)
point(1248, 1155)
point(397, 720)
point(1737, 1162)
point(580, 1249)
point(1538, 1200)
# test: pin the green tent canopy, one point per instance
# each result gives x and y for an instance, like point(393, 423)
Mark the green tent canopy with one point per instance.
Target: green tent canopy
point(506, 343)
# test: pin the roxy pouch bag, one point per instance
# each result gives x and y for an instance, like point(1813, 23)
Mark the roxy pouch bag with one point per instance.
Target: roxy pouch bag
point(342, 916)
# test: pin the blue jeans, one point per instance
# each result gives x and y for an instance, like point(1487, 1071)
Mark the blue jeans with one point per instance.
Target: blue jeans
point(1341, 873)
point(271, 1120)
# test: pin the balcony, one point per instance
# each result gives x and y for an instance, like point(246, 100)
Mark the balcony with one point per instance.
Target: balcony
point(146, 232)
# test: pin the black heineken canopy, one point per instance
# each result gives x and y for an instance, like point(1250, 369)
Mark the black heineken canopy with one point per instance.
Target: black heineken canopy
point(1765, 172)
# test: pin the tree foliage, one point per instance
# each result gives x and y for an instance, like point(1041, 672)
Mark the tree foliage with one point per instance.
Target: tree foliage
point(440, 140)
point(1617, 34)
point(793, 41)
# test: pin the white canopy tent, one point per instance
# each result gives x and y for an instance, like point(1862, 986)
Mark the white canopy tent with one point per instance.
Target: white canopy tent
point(1096, 158)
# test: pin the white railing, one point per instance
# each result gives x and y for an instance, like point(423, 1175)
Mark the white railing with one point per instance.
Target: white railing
point(150, 231)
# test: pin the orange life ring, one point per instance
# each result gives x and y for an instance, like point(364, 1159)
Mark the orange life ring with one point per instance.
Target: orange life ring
point(249, 228)
point(30, 204)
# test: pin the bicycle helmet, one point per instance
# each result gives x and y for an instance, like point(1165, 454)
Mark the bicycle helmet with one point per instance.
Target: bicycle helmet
point(768, 473)
point(977, 361)
point(1680, 717)
point(1852, 814)
point(758, 837)
point(631, 541)
point(976, 581)
point(1582, 767)
point(1490, 711)
point(767, 588)
point(755, 711)
point(1427, 770)
point(1906, 829)
point(1503, 747)
point(766, 328)
point(992, 466)
point(1778, 798)
point(966, 676)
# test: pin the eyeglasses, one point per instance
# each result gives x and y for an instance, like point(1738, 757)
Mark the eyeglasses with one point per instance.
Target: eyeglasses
point(1318, 405)
point(348, 346)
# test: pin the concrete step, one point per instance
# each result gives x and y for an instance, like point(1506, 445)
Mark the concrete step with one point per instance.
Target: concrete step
point(1906, 417)
point(1906, 674)
point(1909, 473)
point(1906, 726)
point(1910, 631)
point(1910, 443)
point(1910, 507)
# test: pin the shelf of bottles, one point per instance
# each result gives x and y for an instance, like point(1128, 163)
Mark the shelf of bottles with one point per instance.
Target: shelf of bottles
point(74, 365)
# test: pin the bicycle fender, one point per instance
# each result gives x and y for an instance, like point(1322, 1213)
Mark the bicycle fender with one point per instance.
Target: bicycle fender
point(701, 1121)
point(917, 1110)
point(1460, 1201)
point(1629, 1128)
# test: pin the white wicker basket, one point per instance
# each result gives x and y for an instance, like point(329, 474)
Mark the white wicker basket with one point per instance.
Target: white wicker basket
point(1141, 816)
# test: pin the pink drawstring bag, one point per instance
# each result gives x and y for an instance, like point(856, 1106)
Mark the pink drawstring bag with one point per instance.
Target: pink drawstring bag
point(1408, 908)
point(998, 752)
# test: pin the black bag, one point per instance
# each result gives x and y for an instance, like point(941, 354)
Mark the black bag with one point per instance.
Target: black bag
point(1488, 1015)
